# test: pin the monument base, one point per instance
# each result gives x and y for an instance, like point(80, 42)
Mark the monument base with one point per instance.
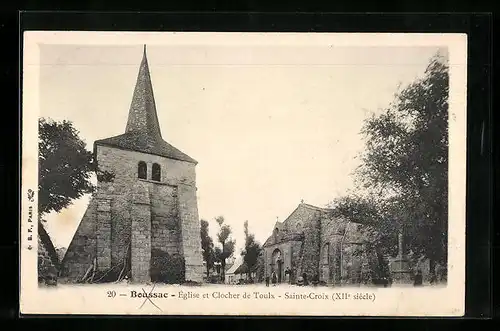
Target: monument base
point(401, 272)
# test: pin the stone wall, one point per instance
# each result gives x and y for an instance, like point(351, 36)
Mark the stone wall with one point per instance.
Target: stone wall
point(298, 240)
point(355, 256)
point(296, 253)
point(332, 230)
point(286, 251)
point(174, 215)
point(309, 261)
point(190, 232)
point(268, 251)
point(107, 225)
point(303, 256)
point(82, 249)
point(120, 225)
point(140, 245)
point(123, 163)
point(165, 224)
point(333, 249)
point(299, 218)
point(103, 233)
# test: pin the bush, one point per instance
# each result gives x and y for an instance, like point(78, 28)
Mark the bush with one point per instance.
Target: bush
point(47, 272)
point(214, 279)
point(166, 268)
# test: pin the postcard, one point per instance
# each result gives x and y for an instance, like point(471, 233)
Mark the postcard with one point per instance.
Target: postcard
point(259, 174)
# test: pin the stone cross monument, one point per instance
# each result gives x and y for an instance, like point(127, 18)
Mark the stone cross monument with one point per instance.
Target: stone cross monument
point(400, 270)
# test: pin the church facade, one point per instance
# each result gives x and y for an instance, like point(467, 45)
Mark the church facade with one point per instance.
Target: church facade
point(312, 243)
point(144, 223)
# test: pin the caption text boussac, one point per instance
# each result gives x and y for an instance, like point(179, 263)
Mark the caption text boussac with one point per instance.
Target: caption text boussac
point(256, 295)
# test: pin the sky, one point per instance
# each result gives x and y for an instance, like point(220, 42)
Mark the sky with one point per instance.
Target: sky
point(269, 125)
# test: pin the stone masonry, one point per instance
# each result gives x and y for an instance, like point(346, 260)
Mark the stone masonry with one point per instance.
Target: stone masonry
point(103, 233)
point(150, 204)
point(312, 242)
point(140, 245)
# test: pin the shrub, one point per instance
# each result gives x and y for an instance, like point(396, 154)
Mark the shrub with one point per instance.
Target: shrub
point(166, 268)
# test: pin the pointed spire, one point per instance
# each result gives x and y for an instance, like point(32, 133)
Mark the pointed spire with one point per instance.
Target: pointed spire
point(142, 117)
point(142, 133)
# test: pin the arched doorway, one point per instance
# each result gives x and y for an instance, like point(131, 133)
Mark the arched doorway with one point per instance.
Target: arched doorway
point(277, 264)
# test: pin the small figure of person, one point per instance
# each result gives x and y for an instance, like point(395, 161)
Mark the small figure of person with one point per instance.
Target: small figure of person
point(418, 278)
point(315, 280)
point(304, 277)
point(267, 281)
point(274, 278)
point(433, 278)
point(287, 274)
point(440, 273)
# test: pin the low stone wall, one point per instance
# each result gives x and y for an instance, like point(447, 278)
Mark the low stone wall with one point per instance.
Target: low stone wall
point(47, 270)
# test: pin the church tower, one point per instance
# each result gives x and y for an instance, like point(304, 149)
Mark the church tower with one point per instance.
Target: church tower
point(146, 218)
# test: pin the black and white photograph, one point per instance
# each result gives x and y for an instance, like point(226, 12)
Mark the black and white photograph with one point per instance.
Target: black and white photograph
point(316, 174)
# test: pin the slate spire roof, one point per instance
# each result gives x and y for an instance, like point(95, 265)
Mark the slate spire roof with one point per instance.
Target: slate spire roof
point(142, 117)
point(142, 132)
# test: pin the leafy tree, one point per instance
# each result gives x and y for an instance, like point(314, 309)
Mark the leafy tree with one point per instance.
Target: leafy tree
point(65, 166)
point(65, 170)
point(218, 257)
point(378, 226)
point(251, 251)
point(376, 216)
point(405, 166)
point(207, 246)
point(227, 244)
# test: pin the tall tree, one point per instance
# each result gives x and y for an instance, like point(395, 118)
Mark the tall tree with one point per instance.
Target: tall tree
point(65, 170)
point(251, 251)
point(218, 258)
point(227, 244)
point(405, 164)
point(207, 246)
point(65, 166)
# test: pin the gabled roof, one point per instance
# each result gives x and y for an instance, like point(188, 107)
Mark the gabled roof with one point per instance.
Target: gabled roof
point(315, 207)
point(144, 144)
point(243, 269)
point(233, 268)
point(142, 133)
point(286, 234)
point(279, 225)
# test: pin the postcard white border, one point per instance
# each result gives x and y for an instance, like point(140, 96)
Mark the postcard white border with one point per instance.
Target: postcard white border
point(92, 299)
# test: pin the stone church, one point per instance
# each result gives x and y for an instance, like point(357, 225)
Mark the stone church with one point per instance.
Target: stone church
point(312, 242)
point(147, 216)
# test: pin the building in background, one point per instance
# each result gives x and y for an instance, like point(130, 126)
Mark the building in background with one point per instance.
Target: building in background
point(231, 277)
point(312, 244)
